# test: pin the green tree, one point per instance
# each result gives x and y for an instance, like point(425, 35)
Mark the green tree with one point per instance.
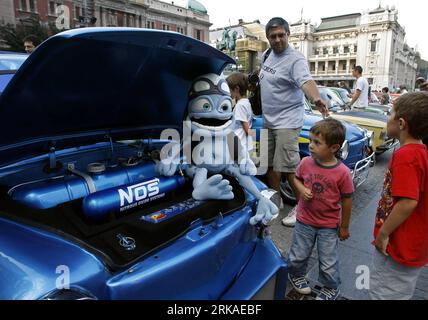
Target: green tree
point(13, 36)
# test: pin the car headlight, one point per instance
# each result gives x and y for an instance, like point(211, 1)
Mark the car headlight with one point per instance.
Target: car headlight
point(344, 151)
point(73, 294)
point(369, 135)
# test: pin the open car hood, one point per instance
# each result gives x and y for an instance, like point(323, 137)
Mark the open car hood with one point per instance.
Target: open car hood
point(87, 84)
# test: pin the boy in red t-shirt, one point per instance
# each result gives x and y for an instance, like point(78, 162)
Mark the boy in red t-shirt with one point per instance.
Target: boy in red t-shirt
point(323, 183)
point(401, 229)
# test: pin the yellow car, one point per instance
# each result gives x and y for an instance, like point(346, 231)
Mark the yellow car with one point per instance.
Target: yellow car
point(375, 123)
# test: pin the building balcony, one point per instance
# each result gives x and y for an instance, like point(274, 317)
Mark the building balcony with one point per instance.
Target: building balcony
point(331, 73)
point(335, 56)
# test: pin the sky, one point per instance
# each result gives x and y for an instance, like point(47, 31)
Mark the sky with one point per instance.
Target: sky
point(412, 14)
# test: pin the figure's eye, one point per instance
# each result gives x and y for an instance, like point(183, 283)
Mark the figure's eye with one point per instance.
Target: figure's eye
point(202, 105)
point(226, 106)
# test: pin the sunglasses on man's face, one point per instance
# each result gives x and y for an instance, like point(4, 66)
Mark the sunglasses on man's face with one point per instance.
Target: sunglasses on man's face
point(278, 35)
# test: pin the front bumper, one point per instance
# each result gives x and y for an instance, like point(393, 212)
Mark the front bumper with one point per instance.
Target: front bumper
point(264, 278)
point(389, 144)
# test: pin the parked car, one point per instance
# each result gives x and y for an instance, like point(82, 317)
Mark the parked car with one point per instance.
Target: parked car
point(372, 107)
point(370, 121)
point(80, 127)
point(334, 102)
point(9, 63)
point(355, 153)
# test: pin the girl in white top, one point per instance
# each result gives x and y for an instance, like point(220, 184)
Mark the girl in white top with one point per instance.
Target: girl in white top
point(238, 84)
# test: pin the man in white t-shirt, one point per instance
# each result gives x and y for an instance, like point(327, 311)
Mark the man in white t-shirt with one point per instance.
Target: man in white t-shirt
point(360, 99)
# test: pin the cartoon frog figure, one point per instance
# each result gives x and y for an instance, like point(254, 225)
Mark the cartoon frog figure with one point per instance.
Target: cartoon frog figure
point(211, 120)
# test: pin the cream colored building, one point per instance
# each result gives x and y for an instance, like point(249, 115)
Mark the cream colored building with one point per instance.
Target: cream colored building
point(373, 39)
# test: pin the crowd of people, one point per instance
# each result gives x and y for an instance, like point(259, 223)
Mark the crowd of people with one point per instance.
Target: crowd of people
point(323, 185)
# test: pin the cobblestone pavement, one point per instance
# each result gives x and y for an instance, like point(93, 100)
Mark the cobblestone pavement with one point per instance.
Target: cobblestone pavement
point(357, 251)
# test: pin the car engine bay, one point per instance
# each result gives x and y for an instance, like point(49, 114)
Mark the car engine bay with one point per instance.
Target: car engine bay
point(104, 194)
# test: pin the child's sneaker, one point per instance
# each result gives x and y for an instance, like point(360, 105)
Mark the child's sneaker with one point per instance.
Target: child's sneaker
point(300, 284)
point(290, 220)
point(328, 294)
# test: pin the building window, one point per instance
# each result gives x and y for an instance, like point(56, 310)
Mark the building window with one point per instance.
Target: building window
point(335, 50)
point(77, 11)
point(325, 50)
point(51, 7)
point(24, 5)
point(32, 5)
point(150, 25)
point(312, 67)
point(355, 49)
point(199, 35)
point(373, 45)
point(346, 49)
point(180, 30)
point(165, 27)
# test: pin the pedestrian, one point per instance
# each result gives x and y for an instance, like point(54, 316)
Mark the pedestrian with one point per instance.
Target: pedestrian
point(325, 187)
point(373, 98)
point(401, 228)
point(423, 86)
point(418, 82)
point(403, 89)
point(30, 43)
point(385, 98)
point(343, 85)
point(238, 84)
point(254, 89)
point(360, 99)
point(284, 80)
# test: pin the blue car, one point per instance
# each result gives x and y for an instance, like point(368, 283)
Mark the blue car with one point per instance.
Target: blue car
point(80, 128)
point(355, 153)
point(9, 63)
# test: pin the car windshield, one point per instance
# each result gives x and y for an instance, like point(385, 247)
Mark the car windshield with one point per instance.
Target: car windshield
point(11, 62)
point(328, 94)
point(343, 94)
point(331, 98)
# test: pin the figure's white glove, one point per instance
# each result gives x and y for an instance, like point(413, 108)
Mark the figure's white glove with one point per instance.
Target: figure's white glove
point(266, 212)
point(214, 188)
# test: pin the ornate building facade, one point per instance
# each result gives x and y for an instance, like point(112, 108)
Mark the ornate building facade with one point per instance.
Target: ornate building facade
point(373, 39)
point(188, 17)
